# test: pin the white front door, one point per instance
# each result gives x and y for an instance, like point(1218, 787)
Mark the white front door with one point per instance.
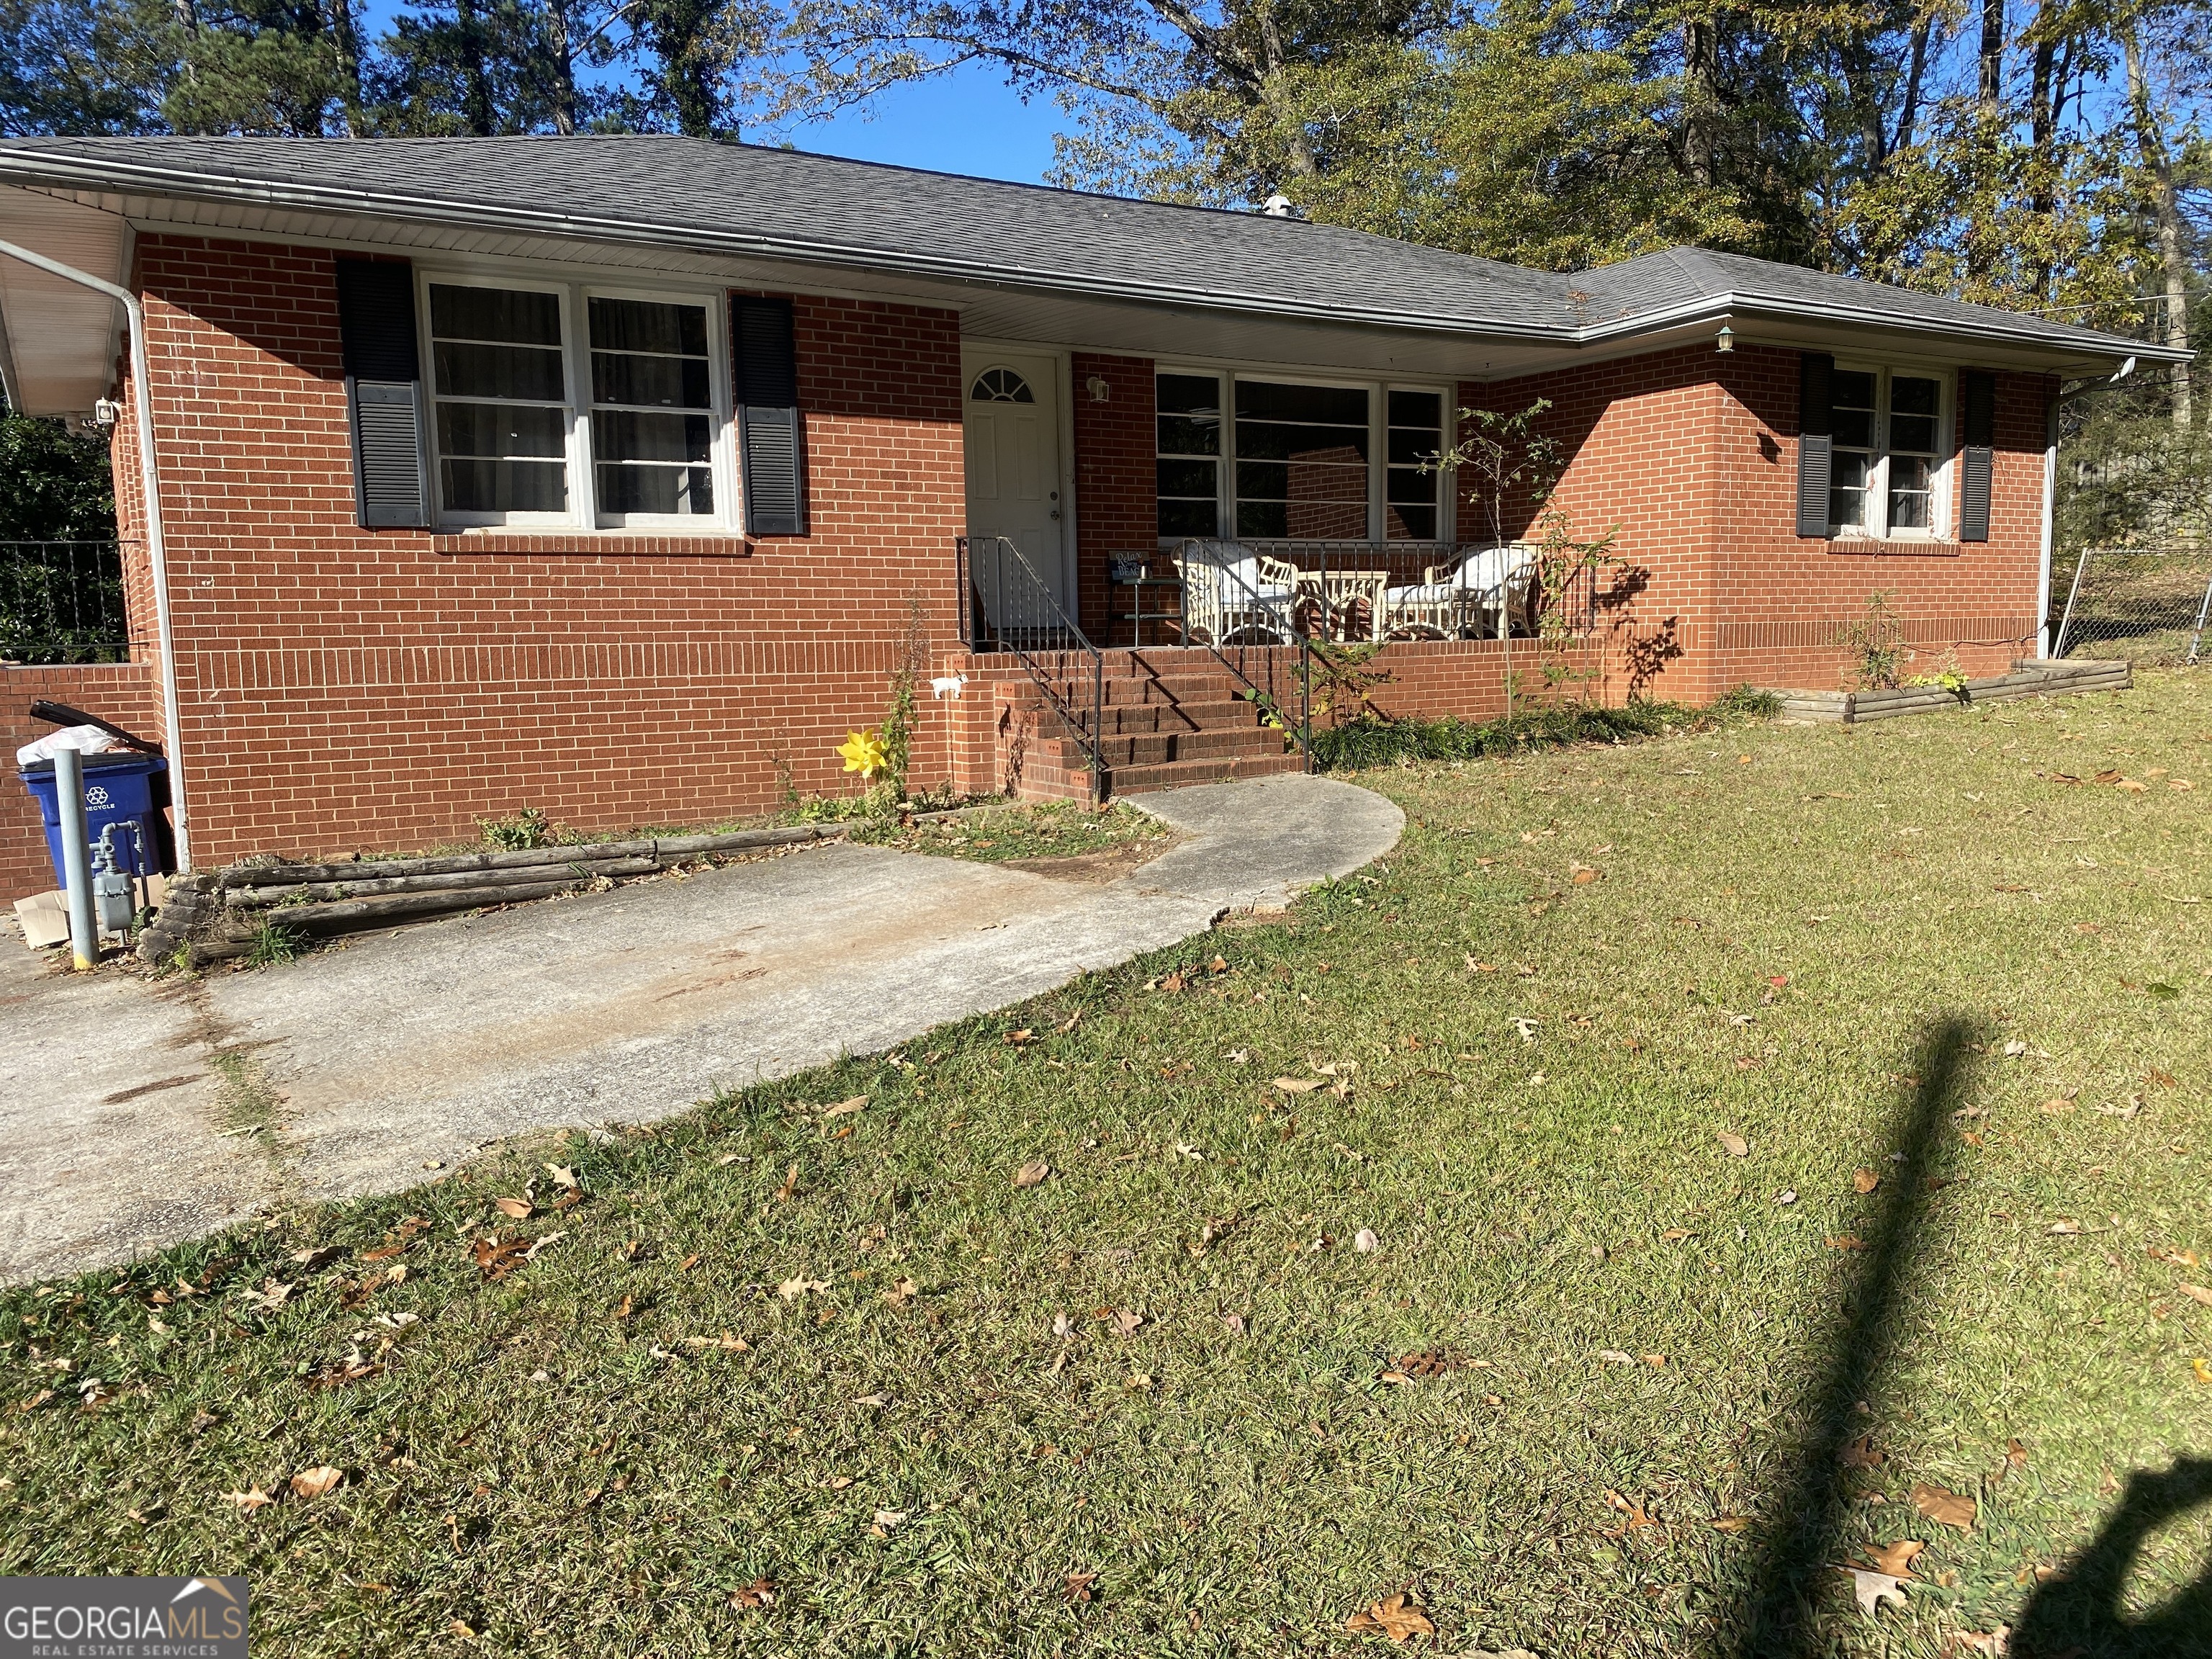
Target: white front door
point(1014, 476)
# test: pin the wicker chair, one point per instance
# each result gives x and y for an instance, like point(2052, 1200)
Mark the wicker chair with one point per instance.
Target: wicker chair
point(1480, 599)
point(1230, 597)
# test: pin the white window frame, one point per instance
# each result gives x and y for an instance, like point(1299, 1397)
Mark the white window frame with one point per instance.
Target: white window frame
point(1877, 526)
point(583, 513)
point(1378, 392)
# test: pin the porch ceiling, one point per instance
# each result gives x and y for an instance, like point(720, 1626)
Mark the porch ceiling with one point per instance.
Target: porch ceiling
point(57, 340)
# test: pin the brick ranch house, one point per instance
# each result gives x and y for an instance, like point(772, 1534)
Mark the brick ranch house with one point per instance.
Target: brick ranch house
point(609, 475)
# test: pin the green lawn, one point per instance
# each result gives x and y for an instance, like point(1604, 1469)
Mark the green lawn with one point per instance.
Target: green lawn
point(1531, 1028)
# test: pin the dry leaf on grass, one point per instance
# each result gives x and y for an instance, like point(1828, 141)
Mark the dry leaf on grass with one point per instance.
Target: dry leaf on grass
point(1633, 1518)
point(791, 1289)
point(1032, 1173)
point(249, 1500)
point(2197, 1293)
point(563, 1177)
point(1943, 1506)
point(761, 1592)
point(1896, 1559)
point(845, 1108)
point(519, 1209)
point(1873, 1588)
point(316, 1482)
point(1736, 1145)
point(1860, 1454)
point(1365, 1242)
point(902, 1293)
point(1399, 1616)
point(1865, 1181)
point(1731, 1523)
point(1128, 1321)
point(1075, 1586)
point(1298, 1085)
point(790, 1184)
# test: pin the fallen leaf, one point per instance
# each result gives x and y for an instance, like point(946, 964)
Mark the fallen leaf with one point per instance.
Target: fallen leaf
point(1128, 1321)
point(889, 1519)
point(1860, 1454)
point(1018, 1038)
point(1584, 875)
point(791, 1289)
point(624, 1307)
point(1615, 1356)
point(1399, 1616)
point(1997, 1641)
point(1873, 1588)
point(1298, 1085)
point(902, 1293)
point(1075, 1586)
point(2066, 1228)
point(1896, 1559)
point(1731, 1523)
point(1865, 1181)
point(316, 1482)
point(1788, 1195)
point(1943, 1506)
point(761, 1592)
point(2202, 1368)
point(1633, 1517)
point(790, 1184)
point(1847, 1241)
point(562, 1175)
point(878, 1401)
point(1365, 1241)
point(845, 1108)
point(2197, 1293)
point(1674, 1235)
point(1234, 1323)
point(460, 1628)
point(249, 1500)
point(1032, 1173)
point(521, 1209)
point(1735, 1145)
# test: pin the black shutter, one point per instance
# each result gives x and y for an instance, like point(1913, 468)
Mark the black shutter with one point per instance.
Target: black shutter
point(1978, 421)
point(384, 393)
point(771, 439)
point(1816, 441)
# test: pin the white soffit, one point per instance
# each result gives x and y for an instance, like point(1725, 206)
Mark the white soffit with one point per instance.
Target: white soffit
point(62, 338)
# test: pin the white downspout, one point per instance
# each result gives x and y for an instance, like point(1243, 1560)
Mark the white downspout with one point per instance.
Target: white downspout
point(2050, 532)
point(156, 547)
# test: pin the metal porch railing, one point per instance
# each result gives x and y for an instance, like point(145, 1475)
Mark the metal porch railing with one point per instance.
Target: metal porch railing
point(1005, 606)
point(62, 602)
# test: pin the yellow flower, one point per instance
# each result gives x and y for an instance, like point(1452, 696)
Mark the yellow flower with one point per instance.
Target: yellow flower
point(864, 753)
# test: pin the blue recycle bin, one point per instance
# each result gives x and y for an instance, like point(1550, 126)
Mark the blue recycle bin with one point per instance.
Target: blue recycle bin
point(129, 787)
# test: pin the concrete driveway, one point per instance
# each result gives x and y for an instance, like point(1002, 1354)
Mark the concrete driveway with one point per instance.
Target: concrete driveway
point(129, 1108)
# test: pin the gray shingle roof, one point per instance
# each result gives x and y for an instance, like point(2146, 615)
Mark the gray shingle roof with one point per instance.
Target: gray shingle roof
point(787, 205)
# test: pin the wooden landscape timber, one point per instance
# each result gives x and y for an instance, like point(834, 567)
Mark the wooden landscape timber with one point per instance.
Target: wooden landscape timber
point(214, 914)
point(2027, 680)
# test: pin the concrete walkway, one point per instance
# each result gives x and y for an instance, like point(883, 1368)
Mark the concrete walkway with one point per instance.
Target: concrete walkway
point(621, 1006)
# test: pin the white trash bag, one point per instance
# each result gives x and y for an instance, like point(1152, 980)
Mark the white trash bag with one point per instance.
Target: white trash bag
point(85, 739)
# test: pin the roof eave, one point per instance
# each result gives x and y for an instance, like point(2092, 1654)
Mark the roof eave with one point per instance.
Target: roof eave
point(2084, 347)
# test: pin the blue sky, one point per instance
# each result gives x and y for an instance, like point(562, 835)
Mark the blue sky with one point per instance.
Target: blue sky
point(966, 122)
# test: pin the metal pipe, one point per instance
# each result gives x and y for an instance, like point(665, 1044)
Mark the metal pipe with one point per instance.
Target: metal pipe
point(2203, 615)
point(2049, 536)
point(76, 858)
point(2058, 646)
point(157, 551)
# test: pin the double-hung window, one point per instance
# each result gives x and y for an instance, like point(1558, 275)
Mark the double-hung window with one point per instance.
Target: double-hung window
point(1887, 471)
point(561, 405)
point(1272, 458)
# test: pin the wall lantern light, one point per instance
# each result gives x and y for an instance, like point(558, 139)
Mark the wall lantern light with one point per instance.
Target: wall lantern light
point(1725, 340)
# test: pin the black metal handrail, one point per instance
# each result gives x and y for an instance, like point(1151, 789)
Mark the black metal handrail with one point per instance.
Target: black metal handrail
point(62, 602)
point(1005, 606)
point(1268, 621)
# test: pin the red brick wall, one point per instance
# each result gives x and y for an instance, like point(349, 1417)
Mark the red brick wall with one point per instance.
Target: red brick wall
point(344, 688)
point(1116, 480)
point(1693, 455)
point(120, 692)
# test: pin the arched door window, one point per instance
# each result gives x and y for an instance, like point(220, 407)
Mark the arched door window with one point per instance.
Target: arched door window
point(1001, 385)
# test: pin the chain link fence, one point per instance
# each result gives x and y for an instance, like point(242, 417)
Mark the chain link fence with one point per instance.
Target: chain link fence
point(2148, 606)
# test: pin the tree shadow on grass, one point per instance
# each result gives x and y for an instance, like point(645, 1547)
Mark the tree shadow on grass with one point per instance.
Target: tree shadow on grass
point(1796, 1570)
point(2079, 1612)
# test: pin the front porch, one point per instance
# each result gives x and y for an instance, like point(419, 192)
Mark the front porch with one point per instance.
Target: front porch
point(1226, 682)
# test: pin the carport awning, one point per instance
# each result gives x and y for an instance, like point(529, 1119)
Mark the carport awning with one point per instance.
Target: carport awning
point(58, 341)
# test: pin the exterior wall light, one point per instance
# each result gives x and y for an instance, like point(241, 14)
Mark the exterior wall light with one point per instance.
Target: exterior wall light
point(1725, 340)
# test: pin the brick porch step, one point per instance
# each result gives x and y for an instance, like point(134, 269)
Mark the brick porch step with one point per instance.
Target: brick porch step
point(1164, 722)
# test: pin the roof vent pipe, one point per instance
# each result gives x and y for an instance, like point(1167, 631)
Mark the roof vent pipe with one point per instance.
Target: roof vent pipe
point(1280, 206)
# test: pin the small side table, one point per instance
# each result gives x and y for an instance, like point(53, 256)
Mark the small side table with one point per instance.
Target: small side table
point(1145, 597)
